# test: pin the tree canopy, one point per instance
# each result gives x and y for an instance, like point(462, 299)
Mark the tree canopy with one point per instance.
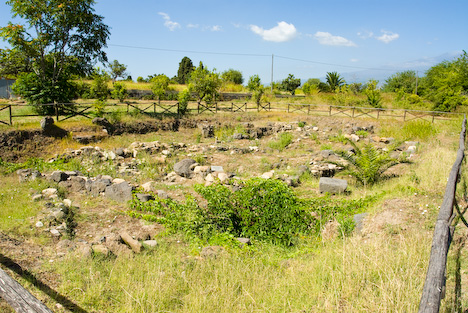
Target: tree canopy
point(403, 81)
point(290, 84)
point(185, 69)
point(204, 83)
point(232, 76)
point(117, 70)
point(446, 84)
point(59, 39)
point(334, 81)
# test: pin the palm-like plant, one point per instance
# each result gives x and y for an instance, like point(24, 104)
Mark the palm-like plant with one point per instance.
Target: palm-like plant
point(368, 164)
point(334, 80)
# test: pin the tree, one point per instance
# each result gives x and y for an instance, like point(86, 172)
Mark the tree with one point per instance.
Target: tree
point(255, 86)
point(374, 98)
point(119, 91)
point(446, 84)
point(159, 86)
point(60, 39)
point(334, 81)
point(117, 70)
point(232, 76)
point(310, 86)
point(290, 84)
point(204, 83)
point(401, 81)
point(185, 69)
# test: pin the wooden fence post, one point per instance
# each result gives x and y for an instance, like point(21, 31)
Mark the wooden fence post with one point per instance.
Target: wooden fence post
point(21, 300)
point(11, 117)
point(56, 111)
point(434, 284)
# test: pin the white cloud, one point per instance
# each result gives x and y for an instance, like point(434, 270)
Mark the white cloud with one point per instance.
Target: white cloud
point(168, 23)
point(280, 33)
point(215, 28)
point(388, 36)
point(365, 34)
point(328, 39)
point(192, 25)
point(354, 60)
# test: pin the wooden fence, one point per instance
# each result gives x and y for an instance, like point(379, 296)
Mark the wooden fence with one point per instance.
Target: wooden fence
point(64, 111)
point(434, 286)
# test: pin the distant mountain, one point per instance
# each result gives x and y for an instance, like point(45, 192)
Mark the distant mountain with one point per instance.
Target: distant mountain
point(382, 73)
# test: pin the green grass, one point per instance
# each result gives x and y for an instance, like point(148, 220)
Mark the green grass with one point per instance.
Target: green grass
point(348, 275)
point(284, 139)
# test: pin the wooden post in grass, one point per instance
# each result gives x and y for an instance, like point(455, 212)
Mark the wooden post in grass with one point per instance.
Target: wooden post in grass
point(19, 298)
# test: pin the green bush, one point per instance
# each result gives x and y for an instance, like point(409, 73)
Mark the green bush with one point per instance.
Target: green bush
point(262, 209)
point(283, 141)
point(183, 97)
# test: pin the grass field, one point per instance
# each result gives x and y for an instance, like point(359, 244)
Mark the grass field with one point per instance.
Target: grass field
point(378, 269)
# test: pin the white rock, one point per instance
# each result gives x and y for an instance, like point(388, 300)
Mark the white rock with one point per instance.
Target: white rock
point(49, 192)
point(67, 202)
point(37, 197)
point(354, 137)
point(55, 232)
point(223, 177)
point(39, 224)
point(268, 175)
point(210, 178)
point(147, 187)
point(118, 181)
point(315, 128)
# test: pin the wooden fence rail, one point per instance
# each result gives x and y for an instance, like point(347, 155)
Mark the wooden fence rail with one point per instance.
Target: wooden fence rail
point(19, 298)
point(65, 111)
point(434, 285)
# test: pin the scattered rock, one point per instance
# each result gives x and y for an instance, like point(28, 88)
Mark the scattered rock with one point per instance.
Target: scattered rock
point(100, 250)
point(143, 197)
point(39, 224)
point(244, 241)
point(150, 243)
point(332, 185)
point(184, 168)
point(121, 192)
point(212, 252)
point(132, 243)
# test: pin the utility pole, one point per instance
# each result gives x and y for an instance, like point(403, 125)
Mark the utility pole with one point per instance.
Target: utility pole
point(272, 57)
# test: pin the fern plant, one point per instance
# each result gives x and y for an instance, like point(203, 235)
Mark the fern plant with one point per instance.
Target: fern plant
point(368, 164)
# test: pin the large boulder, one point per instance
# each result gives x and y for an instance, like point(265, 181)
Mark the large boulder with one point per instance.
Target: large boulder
point(332, 185)
point(121, 192)
point(184, 168)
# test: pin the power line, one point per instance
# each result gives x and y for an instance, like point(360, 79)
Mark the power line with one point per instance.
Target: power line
point(250, 55)
point(340, 65)
point(192, 51)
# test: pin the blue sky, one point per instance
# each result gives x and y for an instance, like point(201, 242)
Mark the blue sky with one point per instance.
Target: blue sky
point(358, 39)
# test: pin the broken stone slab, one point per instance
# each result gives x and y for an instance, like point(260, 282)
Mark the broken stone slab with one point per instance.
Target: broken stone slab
point(150, 243)
point(121, 192)
point(332, 185)
point(217, 168)
point(132, 243)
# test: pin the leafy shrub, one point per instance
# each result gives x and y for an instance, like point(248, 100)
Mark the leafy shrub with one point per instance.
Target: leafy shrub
point(264, 210)
point(183, 97)
point(119, 92)
point(283, 141)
